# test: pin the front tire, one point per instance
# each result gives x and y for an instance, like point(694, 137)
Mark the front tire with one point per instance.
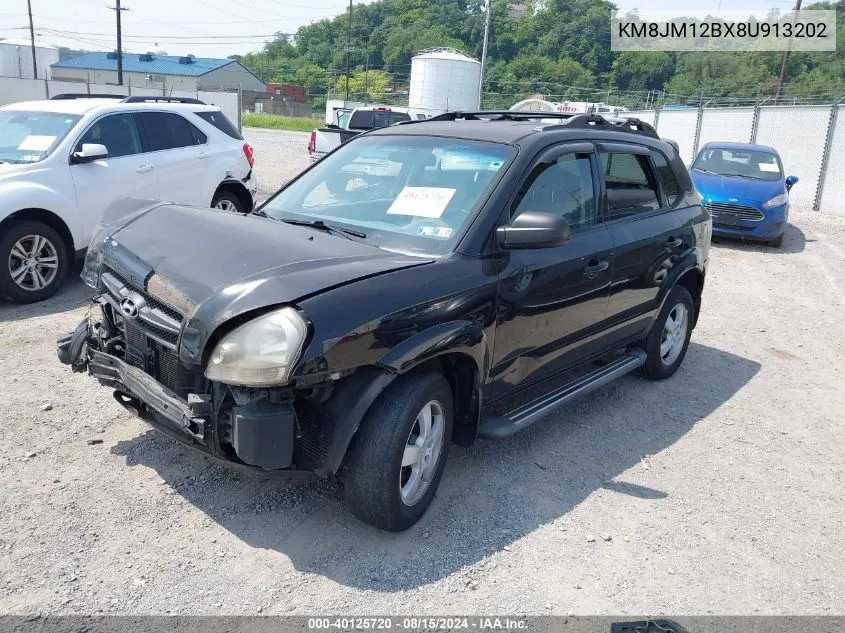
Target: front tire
point(398, 455)
point(668, 341)
point(33, 262)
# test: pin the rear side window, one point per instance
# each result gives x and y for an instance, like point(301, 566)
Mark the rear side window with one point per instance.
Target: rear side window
point(667, 178)
point(170, 131)
point(219, 120)
point(630, 190)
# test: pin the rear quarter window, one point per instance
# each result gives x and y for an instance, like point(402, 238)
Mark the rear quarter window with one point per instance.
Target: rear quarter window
point(667, 178)
point(219, 120)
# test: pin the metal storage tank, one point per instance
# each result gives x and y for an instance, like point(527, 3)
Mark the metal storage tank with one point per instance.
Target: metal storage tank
point(16, 59)
point(444, 79)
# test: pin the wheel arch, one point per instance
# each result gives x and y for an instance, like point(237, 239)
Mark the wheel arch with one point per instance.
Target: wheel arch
point(693, 280)
point(457, 350)
point(239, 189)
point(46, 217)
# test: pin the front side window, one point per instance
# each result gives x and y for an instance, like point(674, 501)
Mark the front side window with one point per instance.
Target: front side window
point(563, 186)
point(118, 132)
point(630, 190)
point(756, 164)
point(413, 194)
point(170, 131)
point(28, 137)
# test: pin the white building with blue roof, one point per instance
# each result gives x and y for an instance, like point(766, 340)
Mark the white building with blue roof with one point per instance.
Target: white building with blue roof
point(151, 70)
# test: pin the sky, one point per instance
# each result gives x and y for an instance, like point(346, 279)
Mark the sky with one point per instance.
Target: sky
point(217, 28)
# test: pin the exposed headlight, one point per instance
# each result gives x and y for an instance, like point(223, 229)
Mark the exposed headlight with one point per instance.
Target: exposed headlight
point(777, 201)
point(260, 353)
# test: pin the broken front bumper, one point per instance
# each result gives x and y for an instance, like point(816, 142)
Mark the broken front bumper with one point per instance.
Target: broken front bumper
point(258, 434)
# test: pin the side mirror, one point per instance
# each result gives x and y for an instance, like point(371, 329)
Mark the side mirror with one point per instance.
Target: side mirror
point(534, 229)
point(790, 182)
point(90, 152)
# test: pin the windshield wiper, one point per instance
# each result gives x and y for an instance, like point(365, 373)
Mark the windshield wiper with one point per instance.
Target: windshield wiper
point(260, 213)
point(706, 171)
point(743, 176)
point(322, 226)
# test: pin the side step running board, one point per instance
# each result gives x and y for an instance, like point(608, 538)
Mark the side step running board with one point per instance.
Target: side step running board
point(501, 427)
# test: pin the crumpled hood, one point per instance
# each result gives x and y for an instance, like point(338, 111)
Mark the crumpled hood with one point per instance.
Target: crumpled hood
point(213, 265)
point(746, 190)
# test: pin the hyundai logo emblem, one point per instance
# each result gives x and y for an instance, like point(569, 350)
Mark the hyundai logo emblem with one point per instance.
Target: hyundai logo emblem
point(129, 307)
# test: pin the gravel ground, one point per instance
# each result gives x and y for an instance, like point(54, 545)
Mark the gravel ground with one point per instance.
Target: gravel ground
point(719, 491)
point(279, 156)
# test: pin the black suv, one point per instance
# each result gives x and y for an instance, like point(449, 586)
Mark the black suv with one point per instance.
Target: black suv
point(423, 285)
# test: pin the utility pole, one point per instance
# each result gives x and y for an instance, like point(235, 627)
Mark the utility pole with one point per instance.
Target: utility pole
point(484, 52)
point(32, 39)
point(117, 9)
point(348, 47)
point(784, 65)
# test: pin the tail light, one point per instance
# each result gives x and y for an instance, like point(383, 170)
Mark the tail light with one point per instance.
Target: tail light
point(312, 144)
point(250, 154)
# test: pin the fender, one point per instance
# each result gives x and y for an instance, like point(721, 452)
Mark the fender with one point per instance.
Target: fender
point(693, 259)
point(16, 195)
point(466, 337)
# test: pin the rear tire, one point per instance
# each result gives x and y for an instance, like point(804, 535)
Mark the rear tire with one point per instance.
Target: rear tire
point(227, 201)
point(668, 341)
point(378, 489)
point(33, 262)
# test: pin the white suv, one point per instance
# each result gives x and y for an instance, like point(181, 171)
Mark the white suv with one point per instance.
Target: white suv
point(65, 160)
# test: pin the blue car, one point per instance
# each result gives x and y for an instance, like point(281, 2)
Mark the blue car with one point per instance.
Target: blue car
point(743, 187)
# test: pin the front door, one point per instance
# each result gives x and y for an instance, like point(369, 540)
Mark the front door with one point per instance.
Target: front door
point(124, 173)
point(553, 301)
point(646, 233)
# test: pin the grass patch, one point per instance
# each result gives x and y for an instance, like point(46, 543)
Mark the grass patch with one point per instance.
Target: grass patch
point(276, 122)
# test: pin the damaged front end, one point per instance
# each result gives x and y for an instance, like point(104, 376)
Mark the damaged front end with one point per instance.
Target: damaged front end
point(128, 343)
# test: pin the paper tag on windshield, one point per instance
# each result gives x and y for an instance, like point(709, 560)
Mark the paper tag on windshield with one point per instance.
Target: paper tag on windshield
point(768, 167)
point(425, 202)
point(35, 143)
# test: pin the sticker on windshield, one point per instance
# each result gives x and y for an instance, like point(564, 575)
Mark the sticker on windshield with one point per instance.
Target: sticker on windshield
point(36, 143)
point(768, 167)
point(425, 202)
point(440, 232)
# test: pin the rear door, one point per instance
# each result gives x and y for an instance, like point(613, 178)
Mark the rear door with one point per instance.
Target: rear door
point(125, 172)
point(177, 150)
point(553, 301)
point(647, 235)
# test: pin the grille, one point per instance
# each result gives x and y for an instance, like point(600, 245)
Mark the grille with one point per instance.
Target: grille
point(154, 318)
point(741, 211)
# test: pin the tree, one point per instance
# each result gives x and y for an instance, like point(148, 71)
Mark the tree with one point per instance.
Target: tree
point(366, 85)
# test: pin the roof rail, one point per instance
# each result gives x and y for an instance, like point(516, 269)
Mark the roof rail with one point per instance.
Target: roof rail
point(611, 124)
point(156, 99)
point(491, 115)
point(67, 96)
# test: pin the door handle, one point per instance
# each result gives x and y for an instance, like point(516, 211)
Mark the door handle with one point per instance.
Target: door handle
point(144, 168)
point(595, 267)
point(672, 243)
point(204, 154)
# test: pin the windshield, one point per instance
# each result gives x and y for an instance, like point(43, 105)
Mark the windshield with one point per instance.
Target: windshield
point(757, 164)
point(412, 194)
point(27, 137)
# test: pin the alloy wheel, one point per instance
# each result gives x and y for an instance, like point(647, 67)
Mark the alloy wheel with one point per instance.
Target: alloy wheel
point(33, 262)
point(674, 334)
point(422, 452)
